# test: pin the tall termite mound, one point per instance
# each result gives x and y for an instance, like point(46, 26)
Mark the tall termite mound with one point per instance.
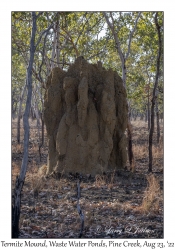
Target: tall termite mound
point(85, 112)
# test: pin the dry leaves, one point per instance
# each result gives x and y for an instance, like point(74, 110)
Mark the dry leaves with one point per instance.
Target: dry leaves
point(116, 205)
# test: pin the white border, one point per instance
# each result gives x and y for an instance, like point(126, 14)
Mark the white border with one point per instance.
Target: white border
point(5, 95)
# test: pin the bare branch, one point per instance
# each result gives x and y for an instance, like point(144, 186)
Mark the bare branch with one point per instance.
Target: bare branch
point(111, 26)
point(57, 62)
point(43, 55)
point(70, 39)
point(95, 55)
point(47, 30)
point(131, 34)
point(82, 29)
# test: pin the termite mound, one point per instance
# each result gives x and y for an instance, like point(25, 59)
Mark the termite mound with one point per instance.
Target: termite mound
point(85, 113)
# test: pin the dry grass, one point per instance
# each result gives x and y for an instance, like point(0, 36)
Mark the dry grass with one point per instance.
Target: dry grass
point(18, 148)
point(138, 123)
point(42, 170)
point(37, 184)
point(105, 180)
point(37, 178)
point(106, 201)
point(151, 198)
point(111, 180)
point(100, 180)
point(140, 151)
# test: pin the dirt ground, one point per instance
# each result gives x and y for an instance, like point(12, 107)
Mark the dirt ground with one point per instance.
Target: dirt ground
point(120, 204)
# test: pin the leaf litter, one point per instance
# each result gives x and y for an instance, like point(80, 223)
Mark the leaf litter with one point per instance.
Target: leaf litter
point(112, 204)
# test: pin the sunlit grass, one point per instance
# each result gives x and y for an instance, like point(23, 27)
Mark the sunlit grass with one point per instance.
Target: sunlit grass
point(152, 195)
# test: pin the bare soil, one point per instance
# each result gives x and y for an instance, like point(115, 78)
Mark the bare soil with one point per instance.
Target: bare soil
point(120, 204)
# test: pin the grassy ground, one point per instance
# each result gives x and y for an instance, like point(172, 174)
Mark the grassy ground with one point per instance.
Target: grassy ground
point(120, 204)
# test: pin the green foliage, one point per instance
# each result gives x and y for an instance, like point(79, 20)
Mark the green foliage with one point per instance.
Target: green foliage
point(87, 34)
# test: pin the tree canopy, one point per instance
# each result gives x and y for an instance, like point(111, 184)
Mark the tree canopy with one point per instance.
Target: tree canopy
point(63, 36)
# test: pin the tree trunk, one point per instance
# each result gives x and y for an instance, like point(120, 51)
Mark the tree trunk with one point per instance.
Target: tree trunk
point(36, 110)
point(32, 113)
point(131, 114)
point(158, 125)
point(19, 114)
point(135, 115)
point(151, 135)
point(130, 150)
point(148, 112)
point(39, 92)
point(58, 43)
point(20, 179)
point(54, 48)
point(123, 58)
point(146, 115)
point(141, 116)
point(36, 114)
point(42, 136)
point(124, 73)
point(14, 106)
point(154, 96)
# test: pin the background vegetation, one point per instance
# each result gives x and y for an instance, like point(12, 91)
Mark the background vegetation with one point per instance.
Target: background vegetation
point(63, 36)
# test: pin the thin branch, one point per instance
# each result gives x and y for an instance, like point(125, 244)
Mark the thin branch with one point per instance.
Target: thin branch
point(39, 39)
point(95, 55)
point(111, 26)
point(57, 62)
point(37, 77)
point(70, 39)
point(43, 54)
point(131, 34)
point(82, 29)
point(95, 23)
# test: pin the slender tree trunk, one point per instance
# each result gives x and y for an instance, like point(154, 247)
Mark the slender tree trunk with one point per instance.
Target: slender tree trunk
point(36, 114)
point(151, 136)
point(123, 58)
point(131, 114)
point(36, 110)
point(141, 117)
point(19, 115)
point(135, 115)
point(148, 111)
point(48, 66)
point(158, 125)
point(14, 106)
point(130, 149)
point(129, 126)
point(58, 43)
point(32, 113)
point(161, 117)
point(53, 49)
point(39, 92)
point(154, 96)
point(148, 97)
point(20, 179)
point(42, 137)
point(146, 115)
